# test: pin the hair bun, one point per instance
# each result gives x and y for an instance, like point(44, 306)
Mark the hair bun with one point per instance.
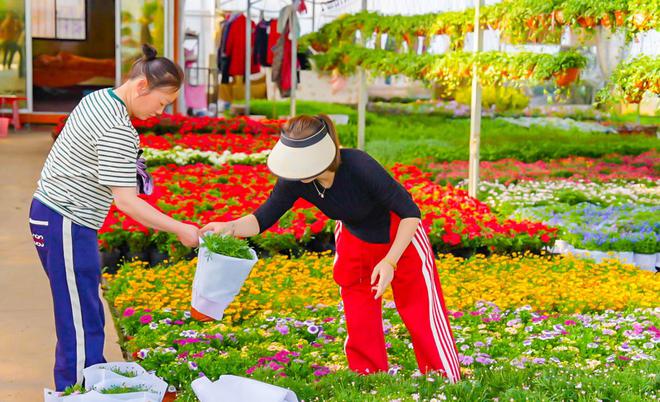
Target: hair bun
point(149, 52)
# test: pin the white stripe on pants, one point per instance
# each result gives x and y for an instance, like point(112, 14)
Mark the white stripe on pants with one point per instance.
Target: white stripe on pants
point(76, 311)
point(439, 326)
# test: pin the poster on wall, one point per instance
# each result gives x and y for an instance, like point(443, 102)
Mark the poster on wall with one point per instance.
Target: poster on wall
point(12, 48)
point(142, 21)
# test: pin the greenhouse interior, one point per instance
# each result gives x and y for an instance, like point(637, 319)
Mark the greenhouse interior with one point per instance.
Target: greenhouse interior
point(180, 223)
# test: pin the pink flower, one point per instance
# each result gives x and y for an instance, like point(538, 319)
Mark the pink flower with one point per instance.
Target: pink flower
point(129, 312)
point(146, 319)
point(569, 322)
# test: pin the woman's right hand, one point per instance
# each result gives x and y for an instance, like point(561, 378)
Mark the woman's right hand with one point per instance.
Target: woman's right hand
point(219, 228)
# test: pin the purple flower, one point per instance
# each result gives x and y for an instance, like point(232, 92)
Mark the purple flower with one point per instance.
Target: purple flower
point(282, 329)
point(479, 344)
point(313, 329)
point(178, 322)
point(465, 360)
point(485, 360)
point(625, 347)
point(539, 360)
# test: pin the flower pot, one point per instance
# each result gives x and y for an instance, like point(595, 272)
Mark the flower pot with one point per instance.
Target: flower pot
point(137, 255)
point(645, 261)
point(578, 253)
point(627, 257)
point(619, 18)
point(110, 260)
point(586, 21)
point(596, 255)
point(567, 77)
point(606, 21)
point(197, 316)
point(156, 257)
point(4, 126)
point(562, 247)
point(170, 395)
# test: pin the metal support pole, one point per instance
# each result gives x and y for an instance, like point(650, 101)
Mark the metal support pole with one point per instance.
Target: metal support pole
point(248, 56)
point(475, 110)
point(313, 15)
point(362, 94)
point(294, 58)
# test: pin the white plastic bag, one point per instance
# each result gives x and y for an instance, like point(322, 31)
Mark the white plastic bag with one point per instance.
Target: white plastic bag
point(94, 396)
point(218, 279)
point(107, 371)
point(101, 376)
point(230, 388)
point(155, 386)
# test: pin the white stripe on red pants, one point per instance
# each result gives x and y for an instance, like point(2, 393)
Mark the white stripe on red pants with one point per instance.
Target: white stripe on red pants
point(417, 295)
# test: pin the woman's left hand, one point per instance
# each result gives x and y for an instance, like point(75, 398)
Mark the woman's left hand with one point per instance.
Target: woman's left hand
point(383, 273)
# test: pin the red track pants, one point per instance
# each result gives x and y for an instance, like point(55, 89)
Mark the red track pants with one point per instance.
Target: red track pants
point(417, 295)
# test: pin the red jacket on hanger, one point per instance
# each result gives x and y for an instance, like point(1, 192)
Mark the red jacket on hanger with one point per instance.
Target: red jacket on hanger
point(273, 36)
point(235, 47)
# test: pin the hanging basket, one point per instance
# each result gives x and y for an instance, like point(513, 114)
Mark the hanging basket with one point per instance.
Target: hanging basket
point(567, 77)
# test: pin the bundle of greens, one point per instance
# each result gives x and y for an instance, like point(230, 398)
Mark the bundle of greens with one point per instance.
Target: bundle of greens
point(227, 245)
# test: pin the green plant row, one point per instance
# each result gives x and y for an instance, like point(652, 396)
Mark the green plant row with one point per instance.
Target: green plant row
point(454, 69)
point(520, 21)
point(631, 80)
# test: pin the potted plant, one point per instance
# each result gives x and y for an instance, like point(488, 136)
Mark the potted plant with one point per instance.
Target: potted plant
point(624, 246)
point(645, 251)
point(565, 67)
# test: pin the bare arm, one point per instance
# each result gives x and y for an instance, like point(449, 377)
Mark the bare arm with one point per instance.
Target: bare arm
point(384, 270)
point(128, 202)
point(404, 236)
point(247, 226)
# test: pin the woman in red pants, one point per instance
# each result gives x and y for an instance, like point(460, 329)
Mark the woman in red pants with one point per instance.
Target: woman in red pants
point(379, 240)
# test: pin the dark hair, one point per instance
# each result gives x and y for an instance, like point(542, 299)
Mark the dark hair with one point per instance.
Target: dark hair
point(303, 126)
point(160, 72)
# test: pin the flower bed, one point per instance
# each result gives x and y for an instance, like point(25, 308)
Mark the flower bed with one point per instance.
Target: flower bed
point(507, 199)
point(506, 171)
point(235, 143)
point(625, 228)
point(285, 330)
point(201, 194)
point(562, 284)
point(180, 124)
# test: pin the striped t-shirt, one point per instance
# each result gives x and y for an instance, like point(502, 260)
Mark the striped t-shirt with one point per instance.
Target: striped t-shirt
point(96, 150)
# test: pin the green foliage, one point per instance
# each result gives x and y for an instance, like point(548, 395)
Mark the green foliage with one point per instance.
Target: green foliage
point(520, 21)
point(227, 245)
point(503, 98)
point(631, 80)
point(419, 139)
point(454, 69)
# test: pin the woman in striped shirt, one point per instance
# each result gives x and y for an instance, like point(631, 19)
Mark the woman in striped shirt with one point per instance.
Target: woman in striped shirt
point(92, 163)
